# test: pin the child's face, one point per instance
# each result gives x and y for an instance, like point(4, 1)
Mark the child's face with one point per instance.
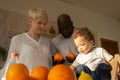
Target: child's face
point(83, 45)
point(38, 25)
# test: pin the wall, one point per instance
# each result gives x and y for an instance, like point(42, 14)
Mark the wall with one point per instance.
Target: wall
point(102, 26)
point(10, 24)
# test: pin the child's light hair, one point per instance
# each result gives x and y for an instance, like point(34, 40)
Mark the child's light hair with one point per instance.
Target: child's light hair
point(36, 13)
point(84, 31)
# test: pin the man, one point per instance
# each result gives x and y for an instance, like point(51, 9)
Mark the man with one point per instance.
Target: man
point(63, 43)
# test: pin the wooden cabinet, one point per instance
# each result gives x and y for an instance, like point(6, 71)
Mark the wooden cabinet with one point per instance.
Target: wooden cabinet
point(110, 45)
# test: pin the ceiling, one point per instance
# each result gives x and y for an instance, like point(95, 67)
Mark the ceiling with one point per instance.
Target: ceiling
point(109, 8)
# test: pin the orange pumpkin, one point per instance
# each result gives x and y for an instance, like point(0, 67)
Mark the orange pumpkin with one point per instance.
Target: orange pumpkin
point(71, 55)
point(17, 72)
point(39, 73)
point(61, 72)
point(58, 57)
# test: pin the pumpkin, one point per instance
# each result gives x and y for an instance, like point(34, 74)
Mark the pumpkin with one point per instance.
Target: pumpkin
point(58, 57)
point(71, 55)
point(17, 71)
point(39, 73)
point(61, 72)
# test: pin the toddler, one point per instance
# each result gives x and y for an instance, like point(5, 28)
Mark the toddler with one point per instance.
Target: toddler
point(93, 60)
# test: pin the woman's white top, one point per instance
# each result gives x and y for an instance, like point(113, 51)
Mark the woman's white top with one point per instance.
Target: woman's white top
point(93, 58)
point(31, 52)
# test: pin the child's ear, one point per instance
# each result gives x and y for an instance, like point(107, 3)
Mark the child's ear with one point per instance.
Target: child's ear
point(92, 42)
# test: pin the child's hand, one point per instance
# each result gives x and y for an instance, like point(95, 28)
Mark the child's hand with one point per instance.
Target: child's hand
point(71, 67)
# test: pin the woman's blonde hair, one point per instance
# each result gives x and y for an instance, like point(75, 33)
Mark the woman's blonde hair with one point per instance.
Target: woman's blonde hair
point(36, 13)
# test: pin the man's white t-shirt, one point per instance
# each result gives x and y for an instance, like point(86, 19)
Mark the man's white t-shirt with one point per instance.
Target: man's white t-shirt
point(93, 58)
point(63, 45)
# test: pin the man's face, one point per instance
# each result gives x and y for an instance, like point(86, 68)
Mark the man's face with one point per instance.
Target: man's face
point(66, 29)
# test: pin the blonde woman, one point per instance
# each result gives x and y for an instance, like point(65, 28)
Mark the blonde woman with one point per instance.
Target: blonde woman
point(33, 48)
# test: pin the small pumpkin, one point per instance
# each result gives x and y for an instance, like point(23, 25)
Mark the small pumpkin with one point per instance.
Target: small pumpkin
point(39, 73)
point(58, 57)
point(71, 55)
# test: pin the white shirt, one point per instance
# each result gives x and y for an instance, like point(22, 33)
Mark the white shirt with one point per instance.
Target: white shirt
point(63, 45)
point(31, 52)
point(93, 58)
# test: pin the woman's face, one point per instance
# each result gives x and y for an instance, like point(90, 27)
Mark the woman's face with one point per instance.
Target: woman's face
point(38, 25)
point(83, 45)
